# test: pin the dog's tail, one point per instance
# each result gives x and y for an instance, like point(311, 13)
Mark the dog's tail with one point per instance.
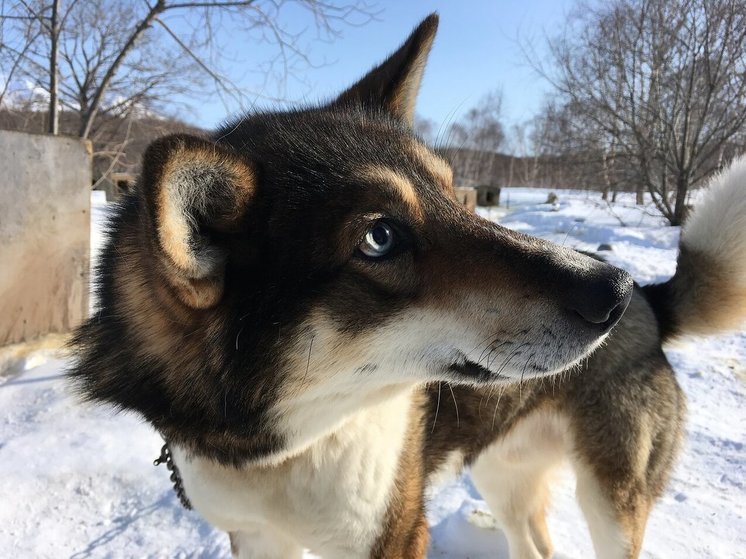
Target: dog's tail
point(708, 292)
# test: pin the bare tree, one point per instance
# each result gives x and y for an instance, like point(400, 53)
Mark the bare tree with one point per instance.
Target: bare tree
point(663, 85)
point(525, 142)
point(571, 148)
point(54, 39)
point(116, 56)
point(17, 37)
point(474, 141)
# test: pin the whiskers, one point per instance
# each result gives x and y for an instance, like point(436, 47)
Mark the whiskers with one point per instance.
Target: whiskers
point(437, 409)
point(497, 405)
point(437, 406)
point(308, 360)
point(458, 422)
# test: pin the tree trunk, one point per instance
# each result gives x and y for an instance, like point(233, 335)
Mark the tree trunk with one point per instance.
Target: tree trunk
point(640, 197)
point(53, 126)
point(87, 122)
point(680, 209)
point(607, 179)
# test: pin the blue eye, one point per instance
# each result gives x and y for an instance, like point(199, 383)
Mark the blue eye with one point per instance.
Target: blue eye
point(378, 241)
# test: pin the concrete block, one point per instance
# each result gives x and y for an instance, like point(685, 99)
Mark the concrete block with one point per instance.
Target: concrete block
point(488, 195)
point(45, 189)
point(467, 196)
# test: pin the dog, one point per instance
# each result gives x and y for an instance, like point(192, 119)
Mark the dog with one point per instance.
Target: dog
point(291, 301)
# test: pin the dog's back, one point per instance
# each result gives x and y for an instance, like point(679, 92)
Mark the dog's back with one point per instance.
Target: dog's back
point(619, 418)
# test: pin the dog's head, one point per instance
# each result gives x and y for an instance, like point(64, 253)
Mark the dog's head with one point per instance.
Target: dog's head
point(264, 283)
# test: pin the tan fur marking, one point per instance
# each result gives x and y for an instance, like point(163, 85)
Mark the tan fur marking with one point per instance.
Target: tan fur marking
point(405, 532)
point(174, 230)
point(711, 302)
point(435, 165)
point(399, 182)
point(537, 524)
point(174, 198)
point(199, 293)
point(405, 96)
point(158, 321)
point(196, 278)
point(633, 523)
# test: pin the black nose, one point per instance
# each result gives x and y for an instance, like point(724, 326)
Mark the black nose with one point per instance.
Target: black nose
point(601, 298)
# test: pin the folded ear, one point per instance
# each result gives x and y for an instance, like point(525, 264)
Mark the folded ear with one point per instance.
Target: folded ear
point(195, 192)
point(393, 85)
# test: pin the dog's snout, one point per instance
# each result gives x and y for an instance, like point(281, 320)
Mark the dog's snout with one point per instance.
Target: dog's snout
point(602, 299)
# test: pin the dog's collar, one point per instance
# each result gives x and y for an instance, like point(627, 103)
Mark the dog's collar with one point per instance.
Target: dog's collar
point(165, 458)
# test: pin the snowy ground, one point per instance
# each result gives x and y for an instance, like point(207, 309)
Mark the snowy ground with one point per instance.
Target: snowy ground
point(78, 481)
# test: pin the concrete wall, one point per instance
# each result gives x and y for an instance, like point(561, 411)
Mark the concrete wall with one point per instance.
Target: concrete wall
point(45, 185)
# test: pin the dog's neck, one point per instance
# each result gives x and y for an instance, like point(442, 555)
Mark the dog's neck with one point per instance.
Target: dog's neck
point(310, 418)
point(357, 454)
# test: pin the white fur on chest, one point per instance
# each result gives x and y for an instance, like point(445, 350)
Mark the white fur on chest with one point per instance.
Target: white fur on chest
point(331, 498)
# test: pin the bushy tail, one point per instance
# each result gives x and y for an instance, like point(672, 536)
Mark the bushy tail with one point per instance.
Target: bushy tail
point(708, 292)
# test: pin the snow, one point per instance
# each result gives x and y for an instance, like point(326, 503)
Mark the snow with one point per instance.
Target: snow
point(78, 480)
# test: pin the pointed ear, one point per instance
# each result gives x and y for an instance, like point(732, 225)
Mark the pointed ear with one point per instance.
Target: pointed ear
point(393, 85)
point(196, 192)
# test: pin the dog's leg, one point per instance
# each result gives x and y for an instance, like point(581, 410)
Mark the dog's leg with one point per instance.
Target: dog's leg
point(263, 542)
point(512, 475)
point(539, 529)
point(616, 516)
point(625, 440)
point(517, 495)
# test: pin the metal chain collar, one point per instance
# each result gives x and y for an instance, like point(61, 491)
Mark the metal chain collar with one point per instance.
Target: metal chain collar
point(165, 458)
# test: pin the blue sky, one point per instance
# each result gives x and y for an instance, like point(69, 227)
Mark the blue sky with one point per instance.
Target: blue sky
point(476, 50)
